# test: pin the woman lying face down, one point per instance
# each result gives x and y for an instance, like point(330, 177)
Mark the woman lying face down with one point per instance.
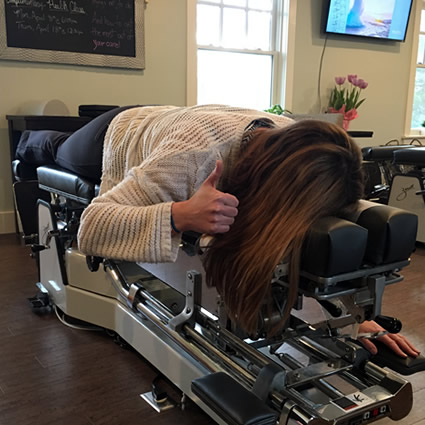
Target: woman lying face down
point(270, 183)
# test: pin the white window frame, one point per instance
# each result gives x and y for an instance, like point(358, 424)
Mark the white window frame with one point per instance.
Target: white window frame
point(282, 53)
point(416, 12)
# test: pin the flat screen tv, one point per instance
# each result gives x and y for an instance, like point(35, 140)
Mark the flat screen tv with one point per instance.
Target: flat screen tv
point(383, 19)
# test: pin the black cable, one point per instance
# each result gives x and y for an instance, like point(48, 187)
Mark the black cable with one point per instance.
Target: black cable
point(320, 74)
point(392, 142)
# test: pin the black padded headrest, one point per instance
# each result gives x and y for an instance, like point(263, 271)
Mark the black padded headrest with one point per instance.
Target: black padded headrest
point(333, 246)
point(391, 232)
point(414, 156)
point(382, 153)
point(374, 234)
point(57, 180)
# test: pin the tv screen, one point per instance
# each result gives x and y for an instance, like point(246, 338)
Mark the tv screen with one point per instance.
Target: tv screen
point(384, 19)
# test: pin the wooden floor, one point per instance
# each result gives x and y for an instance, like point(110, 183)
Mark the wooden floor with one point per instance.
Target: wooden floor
point(51, 374)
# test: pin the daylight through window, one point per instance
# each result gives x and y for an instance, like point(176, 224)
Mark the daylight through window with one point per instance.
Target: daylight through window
point(237, 51)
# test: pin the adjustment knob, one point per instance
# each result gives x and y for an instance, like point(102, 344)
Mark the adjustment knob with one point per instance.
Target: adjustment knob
point(37, 247)
point(390, 324)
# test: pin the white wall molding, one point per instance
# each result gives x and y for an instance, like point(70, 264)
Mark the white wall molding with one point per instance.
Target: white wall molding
point(191, 58)
point(415, 19)
point(288, 50)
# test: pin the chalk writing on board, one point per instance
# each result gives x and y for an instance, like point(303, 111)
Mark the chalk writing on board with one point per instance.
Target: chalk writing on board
point(82, 26)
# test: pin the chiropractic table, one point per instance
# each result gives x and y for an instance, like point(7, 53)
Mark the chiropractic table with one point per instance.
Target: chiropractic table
point(311, 372)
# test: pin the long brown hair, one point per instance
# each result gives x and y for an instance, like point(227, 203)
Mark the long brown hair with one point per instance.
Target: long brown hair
point(285, 179)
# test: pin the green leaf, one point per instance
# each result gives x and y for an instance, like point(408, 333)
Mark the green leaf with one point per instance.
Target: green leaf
point(359, 103)
point(278, 110)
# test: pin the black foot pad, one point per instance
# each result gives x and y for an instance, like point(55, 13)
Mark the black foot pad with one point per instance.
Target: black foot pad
point(231, 401)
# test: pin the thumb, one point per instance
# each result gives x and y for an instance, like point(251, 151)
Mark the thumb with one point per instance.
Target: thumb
point(215, 175)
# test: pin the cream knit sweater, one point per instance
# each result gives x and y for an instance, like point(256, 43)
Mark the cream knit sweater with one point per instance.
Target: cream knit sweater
point(154, 156)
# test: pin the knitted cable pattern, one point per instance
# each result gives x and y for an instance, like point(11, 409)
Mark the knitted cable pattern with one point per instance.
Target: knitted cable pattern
point(154, 156)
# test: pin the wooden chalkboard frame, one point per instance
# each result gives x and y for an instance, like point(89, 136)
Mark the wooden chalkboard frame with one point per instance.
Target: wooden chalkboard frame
point(53, 56)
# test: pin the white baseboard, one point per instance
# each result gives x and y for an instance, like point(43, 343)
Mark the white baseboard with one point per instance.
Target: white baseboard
point(7, 222)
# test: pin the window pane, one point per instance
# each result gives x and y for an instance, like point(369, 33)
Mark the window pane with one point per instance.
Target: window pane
point(235, 2)
point(261, 4)
point(238, 79)
point(259, 30)
point(418, 115)
point(234, 22)
point(422, 21)
point(208, 25)
point(421, 50)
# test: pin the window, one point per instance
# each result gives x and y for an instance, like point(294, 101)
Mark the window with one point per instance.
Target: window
point(238, 52)
point(418, 111)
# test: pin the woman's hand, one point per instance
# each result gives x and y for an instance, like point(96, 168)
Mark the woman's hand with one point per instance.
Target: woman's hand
point(398, 343)
point(208, 210)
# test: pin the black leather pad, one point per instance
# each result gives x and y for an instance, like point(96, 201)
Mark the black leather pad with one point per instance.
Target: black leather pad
point(333, 246)
point(59, 181)
point(391, 232)
point(387, 358)
point(375, 234)
point(231, 401)
point(413, 156)
point(382, 153)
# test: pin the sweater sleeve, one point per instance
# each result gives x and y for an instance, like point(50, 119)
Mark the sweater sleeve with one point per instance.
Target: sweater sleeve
point(132, 221)
point(128, 233)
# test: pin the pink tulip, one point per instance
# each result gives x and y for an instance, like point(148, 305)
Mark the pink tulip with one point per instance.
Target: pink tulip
point(362, 83)
point(346, 100)
point(351, 77)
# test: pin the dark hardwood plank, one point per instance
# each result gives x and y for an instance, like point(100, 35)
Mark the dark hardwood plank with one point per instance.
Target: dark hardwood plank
point(52, 374)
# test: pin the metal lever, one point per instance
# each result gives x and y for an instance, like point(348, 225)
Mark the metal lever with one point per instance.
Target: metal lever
point(40, 247)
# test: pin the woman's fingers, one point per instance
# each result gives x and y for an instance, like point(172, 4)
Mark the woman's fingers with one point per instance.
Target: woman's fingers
point(412, 347)
point(229, 200)
point(400, 344)
point(391, 343)
point(396, 342)
point(369, 345)
point(227, 211)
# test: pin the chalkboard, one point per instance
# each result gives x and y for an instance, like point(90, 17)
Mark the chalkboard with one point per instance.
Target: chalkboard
point(85, 32)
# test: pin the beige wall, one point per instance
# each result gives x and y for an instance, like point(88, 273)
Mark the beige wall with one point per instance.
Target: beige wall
point(385, 65)
point(163, 82)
